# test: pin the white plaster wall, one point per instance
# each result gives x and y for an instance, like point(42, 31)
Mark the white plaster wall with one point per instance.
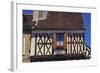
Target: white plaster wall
point(23, 51)
point(69, 48)
point(32, 50)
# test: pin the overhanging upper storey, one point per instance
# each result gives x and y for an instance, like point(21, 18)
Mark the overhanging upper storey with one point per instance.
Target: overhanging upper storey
point(60, 21)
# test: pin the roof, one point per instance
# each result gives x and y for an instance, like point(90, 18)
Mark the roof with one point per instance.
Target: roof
point(56, 21)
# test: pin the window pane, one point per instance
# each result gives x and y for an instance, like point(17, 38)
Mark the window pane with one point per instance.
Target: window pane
point(60, 36)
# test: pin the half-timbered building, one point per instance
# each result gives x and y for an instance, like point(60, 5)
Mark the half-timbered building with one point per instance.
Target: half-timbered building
point(50, 36)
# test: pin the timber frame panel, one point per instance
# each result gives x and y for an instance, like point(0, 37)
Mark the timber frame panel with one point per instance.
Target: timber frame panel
point(74, 44)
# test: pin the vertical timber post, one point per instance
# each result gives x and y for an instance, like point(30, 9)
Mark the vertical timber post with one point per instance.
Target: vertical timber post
point(54, 42)
point(65, 41)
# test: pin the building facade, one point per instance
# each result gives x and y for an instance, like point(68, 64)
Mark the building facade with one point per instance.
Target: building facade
point(59, 36)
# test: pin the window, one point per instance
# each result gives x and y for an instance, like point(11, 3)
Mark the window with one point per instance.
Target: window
point(60, 39)
point(60, 44)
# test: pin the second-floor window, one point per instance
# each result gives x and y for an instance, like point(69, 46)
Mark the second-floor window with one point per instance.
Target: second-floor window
point(60, 39)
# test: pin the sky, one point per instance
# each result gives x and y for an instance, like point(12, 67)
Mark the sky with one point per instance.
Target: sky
point(87, 24)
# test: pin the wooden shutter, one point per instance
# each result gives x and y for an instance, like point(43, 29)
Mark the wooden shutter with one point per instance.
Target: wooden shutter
point(54, 40)
point(65, 41)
